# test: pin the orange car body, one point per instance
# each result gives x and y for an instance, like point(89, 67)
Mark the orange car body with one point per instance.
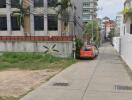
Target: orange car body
point(87, 52)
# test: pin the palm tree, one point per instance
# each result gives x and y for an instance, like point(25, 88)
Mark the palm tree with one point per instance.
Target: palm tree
point(23, 15)
point(63, 12)
point(50, 51)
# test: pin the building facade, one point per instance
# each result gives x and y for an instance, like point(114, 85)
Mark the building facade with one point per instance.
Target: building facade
point(126, 37)
point(123, 43)
point(41, 26)
point(109, 25)
point(119, 25)
point(89, 10)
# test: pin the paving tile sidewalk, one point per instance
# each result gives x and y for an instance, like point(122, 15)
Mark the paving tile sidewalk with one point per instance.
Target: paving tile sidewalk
point(88, 80)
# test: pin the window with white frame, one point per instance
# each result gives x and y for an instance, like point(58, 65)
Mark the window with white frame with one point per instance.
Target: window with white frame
point(52, 22)
point(15, 26)
point(130, 28)
point(38, 23)
point(14, 3)
point(2, 3)
point(3, 23)
point(52, 3)
point(38, 3)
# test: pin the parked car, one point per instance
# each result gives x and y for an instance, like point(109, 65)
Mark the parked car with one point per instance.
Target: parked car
point(89, 51)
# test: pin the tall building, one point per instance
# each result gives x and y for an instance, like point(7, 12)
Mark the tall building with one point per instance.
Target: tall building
point(41, 23)
point(89, 10)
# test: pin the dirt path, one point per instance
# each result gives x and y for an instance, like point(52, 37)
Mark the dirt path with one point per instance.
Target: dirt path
point(14, 83)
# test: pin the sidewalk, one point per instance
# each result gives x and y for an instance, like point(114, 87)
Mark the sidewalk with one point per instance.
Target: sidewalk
point(88, 80)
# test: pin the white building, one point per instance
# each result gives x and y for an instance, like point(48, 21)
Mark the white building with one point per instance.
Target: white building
point(119, 21)
point(124, 43)
point(126, 38)
point(89, 10)
point(41, 27)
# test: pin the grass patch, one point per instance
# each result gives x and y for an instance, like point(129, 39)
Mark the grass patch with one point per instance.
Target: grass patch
point(8, 98)
point(33, 61)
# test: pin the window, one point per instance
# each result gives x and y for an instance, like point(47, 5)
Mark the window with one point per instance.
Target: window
point(86, 4)
point(86, 10)
point(38, 3)
point(14, 23)
point(52, 22)
point(52, 3)
point(14, 3)
point(124, 30)
point(130, 28)
point(2, 3)
point(39, 23)
point(3, 23)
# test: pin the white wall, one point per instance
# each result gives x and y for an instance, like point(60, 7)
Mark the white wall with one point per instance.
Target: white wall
point(65, 48)
point(116, 43)
point(126, 49)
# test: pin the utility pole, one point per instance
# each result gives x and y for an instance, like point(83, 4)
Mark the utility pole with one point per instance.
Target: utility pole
point(92, 28)
point(92, 39)
point(74, 38)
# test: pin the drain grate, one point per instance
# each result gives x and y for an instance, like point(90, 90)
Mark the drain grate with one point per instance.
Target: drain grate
point(120, 87)
point(61, 84)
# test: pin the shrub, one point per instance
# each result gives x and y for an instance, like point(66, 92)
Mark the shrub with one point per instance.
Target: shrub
point(79, 44)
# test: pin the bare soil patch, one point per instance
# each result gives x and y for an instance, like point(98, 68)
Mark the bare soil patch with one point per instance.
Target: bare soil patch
point(14, 83)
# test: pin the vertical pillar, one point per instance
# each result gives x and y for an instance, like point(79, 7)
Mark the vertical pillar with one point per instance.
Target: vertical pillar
point(60, 25)
point(32, 18)
point(8, 7)
point(26, 17)
point(45, 17)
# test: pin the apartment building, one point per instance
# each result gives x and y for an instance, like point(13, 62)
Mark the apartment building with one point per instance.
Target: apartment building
point(89, 10)
point(42, 26)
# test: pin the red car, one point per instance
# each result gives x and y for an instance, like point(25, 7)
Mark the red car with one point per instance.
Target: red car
point(89, 51)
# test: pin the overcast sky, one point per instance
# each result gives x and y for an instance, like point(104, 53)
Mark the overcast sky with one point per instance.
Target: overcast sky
point(110, 8)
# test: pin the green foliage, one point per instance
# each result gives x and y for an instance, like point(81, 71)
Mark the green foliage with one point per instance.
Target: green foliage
point(32, 61)
point(111, 34)
point(21, 13)
point(64, 5)
point(8, 98)
point(93, 28)
point(90, 27)
point(127, 10)
point(63, 10)
point(50, 51)
point(79, 44)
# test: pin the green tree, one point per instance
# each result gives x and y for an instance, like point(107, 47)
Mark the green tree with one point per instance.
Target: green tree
point(92, 29)
point(22, 13)
point(79, 44)
point(111, 34)
point(63, 12)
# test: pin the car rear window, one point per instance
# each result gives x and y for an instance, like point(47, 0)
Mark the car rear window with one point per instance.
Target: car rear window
point(86, 48)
